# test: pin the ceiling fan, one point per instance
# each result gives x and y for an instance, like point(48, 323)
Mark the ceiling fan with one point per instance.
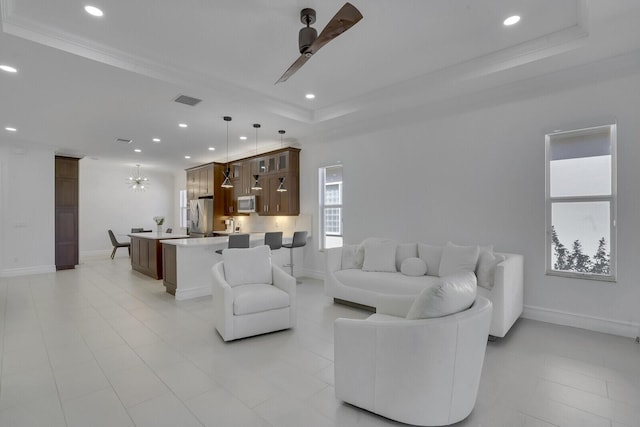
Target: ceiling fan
point(309, 42)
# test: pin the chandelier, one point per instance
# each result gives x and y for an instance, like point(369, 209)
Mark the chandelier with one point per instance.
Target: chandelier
point(138, 182)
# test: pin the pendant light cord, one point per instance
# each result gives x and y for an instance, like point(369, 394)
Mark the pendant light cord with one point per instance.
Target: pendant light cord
point(257, 126)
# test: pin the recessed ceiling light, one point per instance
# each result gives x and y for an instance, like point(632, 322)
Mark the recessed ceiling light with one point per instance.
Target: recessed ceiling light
point(8, 69)
point(511, 20)
point(93, 11)
point(212, 148)
point(137, 150)
point(187, 157)
point(156, 139)
point(310, 96)
point(10, 129)
point(183, 125)
point(243, 138)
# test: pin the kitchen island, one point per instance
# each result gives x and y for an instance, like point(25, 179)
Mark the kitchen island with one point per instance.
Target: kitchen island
point(187, 262)
point(146, 252)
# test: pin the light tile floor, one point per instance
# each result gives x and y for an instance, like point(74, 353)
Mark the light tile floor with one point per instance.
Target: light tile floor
point(104, 346)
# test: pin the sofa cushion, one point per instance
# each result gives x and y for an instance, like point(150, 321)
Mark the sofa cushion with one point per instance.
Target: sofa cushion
point(431, 255)
point(451, 295)
point(486, 269)
point(458, 259)
point(257, 298)
point(404, 251)
point(247, 266)
point(413, 267)
point(352, 257)
point(384, 282)
point(379, 255)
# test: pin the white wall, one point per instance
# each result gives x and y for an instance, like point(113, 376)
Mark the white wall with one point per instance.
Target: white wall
point(479, 177)
point(26, 209)
point(106, 202)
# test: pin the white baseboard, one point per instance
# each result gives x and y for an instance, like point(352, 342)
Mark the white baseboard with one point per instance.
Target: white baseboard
point(592, 323)
point(183, 294)
point(314, 274)
point(25, 271)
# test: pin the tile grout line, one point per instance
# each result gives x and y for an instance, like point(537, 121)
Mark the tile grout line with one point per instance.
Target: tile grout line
point(64, 414)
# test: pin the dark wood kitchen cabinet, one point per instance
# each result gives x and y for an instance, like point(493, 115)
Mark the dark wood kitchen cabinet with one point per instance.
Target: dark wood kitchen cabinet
point(274, 202)
point(200, 182)
point(270, 167)
point(66, 212)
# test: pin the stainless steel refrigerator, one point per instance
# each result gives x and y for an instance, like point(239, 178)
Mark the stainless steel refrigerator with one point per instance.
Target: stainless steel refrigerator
point(200, 217)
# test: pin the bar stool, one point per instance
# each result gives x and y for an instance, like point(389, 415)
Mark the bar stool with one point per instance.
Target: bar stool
point(273, 239)
point(236, 241)
point(299, 240)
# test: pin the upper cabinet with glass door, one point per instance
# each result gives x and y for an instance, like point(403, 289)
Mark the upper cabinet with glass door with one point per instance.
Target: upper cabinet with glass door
point(281, 161)
point(287, 161)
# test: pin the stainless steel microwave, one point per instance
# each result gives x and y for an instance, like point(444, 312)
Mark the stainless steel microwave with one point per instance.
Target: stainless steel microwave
point(246, 204)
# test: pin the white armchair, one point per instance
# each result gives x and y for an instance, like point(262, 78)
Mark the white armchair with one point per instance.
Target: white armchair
point(424, 372)
point(250, 295)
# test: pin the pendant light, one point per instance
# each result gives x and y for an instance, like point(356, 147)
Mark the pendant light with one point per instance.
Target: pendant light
point(227, 174)
point(281, 186)
point(138, 182)
point(256, 178)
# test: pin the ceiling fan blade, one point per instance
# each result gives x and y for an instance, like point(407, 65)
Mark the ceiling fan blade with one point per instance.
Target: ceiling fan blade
point(294, 67)
point(347, 17)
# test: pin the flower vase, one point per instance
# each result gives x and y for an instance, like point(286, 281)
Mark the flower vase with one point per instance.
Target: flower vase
point(159, 229)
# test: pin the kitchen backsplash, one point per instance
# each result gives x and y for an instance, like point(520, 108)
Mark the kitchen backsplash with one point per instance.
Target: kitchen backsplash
point(260, 224)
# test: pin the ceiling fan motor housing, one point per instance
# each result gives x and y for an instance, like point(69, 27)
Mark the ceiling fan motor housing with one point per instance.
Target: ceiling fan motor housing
point(306, 37)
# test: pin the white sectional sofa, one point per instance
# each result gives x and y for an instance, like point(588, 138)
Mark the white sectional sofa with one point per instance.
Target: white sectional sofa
point(347, 278)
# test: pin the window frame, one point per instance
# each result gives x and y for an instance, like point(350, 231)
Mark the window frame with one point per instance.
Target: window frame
point(611, 199)
point(322, 206)
point(182, 197)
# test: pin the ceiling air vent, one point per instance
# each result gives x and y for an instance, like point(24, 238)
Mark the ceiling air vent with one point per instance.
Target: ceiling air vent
point(187, 100)
point(124, 141)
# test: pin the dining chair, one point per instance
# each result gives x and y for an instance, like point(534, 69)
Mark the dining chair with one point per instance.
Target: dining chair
point(117, 244)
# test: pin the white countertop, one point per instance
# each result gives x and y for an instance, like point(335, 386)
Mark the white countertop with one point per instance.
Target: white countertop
point(210, 241)
point(220, 240)
point(154, 235)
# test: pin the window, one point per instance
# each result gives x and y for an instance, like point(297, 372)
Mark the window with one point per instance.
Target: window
point(581, 203)
point(330, 190)
point(183, 209)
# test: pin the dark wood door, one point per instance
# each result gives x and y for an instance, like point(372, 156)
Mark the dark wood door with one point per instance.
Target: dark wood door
point(66, 212)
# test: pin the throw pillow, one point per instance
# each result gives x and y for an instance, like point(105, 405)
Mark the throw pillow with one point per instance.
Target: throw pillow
point(486, 270)
point(451, 295)
point(404, 251)
point(379, 255)
point(247, 266)
point(413, 267)
point(430, 255)
point(484, 251)
point(352, 257)
point(458, 259)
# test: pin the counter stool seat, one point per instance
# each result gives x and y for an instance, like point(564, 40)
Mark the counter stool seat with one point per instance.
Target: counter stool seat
point(273, 239)
point(236, 241)
point(299, 240)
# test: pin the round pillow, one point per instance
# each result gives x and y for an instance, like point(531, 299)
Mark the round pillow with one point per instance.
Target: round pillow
point(413, 267)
